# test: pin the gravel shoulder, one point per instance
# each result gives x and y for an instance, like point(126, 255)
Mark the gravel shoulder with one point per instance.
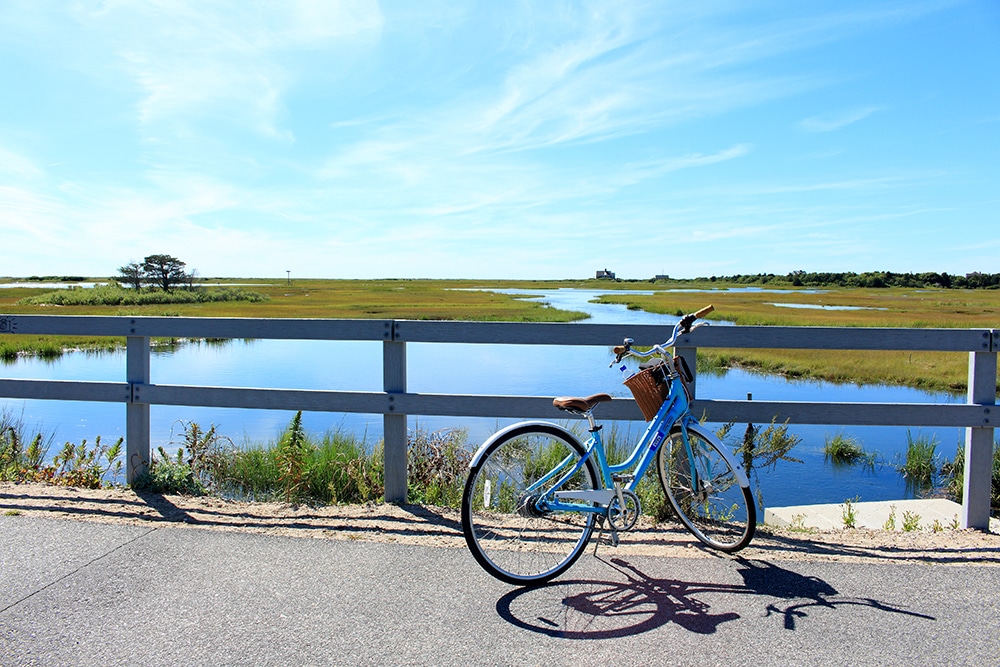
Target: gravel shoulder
point(441, 527)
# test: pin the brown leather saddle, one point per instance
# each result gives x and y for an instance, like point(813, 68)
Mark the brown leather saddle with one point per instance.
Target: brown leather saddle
point(579, 405)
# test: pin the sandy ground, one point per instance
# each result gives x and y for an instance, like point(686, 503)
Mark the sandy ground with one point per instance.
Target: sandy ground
point(441, 527)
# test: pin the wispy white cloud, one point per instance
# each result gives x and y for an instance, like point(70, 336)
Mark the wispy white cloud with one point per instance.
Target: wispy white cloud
point(226, 61)
point(14, 165)
point(835, 120)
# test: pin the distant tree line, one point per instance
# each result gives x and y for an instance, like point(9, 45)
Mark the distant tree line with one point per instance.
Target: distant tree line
point(60, 279)
point(973, 280)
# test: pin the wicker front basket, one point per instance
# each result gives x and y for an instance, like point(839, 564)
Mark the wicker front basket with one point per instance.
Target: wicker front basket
point(650, 388)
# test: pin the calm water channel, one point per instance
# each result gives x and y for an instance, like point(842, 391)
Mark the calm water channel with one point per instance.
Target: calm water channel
point(463, 369)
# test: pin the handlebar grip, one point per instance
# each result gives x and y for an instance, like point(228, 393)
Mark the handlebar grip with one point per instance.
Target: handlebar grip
point(704, 311)
point(620, 350)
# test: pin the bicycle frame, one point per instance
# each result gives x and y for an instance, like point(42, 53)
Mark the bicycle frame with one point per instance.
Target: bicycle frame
point(675, 409)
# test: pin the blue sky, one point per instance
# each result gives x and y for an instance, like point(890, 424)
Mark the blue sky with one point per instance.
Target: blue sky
point(500, 139)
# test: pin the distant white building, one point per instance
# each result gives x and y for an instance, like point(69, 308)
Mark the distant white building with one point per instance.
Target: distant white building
point(605, 275)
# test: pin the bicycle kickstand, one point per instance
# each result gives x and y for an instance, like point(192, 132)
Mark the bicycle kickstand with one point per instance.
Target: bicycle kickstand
point(613, 540)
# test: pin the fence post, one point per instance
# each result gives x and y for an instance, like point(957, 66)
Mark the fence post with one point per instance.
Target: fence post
point(137, 453)
point(979, 443)
point(690, 357)
point(394, 425)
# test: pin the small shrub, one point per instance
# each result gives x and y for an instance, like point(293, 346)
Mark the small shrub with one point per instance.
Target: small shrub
point(911, 521)
point(293, 454)
point(437, 466)
point(798, 524)
point(169, 476)
point(850, 512)
point(762, 449)
point(17, 462)
point(890, 523)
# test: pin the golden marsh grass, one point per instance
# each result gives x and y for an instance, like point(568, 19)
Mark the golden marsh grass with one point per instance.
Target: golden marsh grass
point(464, 300)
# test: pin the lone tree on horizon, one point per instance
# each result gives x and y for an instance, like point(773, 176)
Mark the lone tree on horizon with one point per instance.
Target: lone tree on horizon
point(132, 275)
point(163, 271)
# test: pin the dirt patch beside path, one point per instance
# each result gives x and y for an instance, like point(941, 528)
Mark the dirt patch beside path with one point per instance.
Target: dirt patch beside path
point(441, 527)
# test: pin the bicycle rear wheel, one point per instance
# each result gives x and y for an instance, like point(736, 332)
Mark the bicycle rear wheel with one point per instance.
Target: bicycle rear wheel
point(705, 492)
point(510, 536)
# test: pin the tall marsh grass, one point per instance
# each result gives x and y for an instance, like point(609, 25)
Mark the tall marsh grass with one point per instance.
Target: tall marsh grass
point(922, 463)
point(116, 295)
point(23, 457)
point(845, 450)
point(954, 476)
point(337, 467)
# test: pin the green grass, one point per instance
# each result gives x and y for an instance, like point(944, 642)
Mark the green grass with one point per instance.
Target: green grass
point(462, 300)
point(115, 295)
point(954, 476)
point(921, 463)
point(849, 512)
point(845, 450)
point(895, 307)
point(298, 467)
point(618, 444)
point(24, 457)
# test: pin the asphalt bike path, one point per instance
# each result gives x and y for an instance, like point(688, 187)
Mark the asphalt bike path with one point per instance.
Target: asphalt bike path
point(84, 593)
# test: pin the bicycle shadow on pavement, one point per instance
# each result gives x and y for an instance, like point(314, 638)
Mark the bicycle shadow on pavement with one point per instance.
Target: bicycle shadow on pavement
point(604, 609)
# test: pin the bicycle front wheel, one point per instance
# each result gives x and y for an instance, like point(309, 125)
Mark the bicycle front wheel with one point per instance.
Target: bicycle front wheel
point(705, 492)
point(506, 524)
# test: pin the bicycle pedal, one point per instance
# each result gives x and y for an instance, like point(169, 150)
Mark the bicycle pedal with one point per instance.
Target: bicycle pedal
point(618, 479)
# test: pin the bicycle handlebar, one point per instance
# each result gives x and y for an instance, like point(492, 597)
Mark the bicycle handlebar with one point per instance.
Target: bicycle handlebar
point(704, 311)
point(686, 325)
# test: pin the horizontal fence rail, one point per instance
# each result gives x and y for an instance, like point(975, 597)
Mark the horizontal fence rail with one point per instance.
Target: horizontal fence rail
point(978, 415)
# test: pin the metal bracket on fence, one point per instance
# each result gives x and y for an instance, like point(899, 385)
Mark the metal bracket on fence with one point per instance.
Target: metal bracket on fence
point(133, 392)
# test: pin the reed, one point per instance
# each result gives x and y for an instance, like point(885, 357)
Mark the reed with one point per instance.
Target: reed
point(920, 466)
point(24, 460)
point(298, 467)
point(845, 450)
point(953, 473)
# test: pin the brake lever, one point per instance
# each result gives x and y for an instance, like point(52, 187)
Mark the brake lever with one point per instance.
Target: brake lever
point(621, 350)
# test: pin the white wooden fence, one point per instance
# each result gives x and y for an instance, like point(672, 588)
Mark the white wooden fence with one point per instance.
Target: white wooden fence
point(978, 415)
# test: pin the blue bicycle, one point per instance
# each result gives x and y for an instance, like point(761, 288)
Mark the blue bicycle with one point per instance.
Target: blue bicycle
point(535, 493)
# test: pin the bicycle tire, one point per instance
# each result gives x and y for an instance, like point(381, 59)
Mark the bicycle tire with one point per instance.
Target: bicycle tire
point(506, 534)
point(716, 508)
